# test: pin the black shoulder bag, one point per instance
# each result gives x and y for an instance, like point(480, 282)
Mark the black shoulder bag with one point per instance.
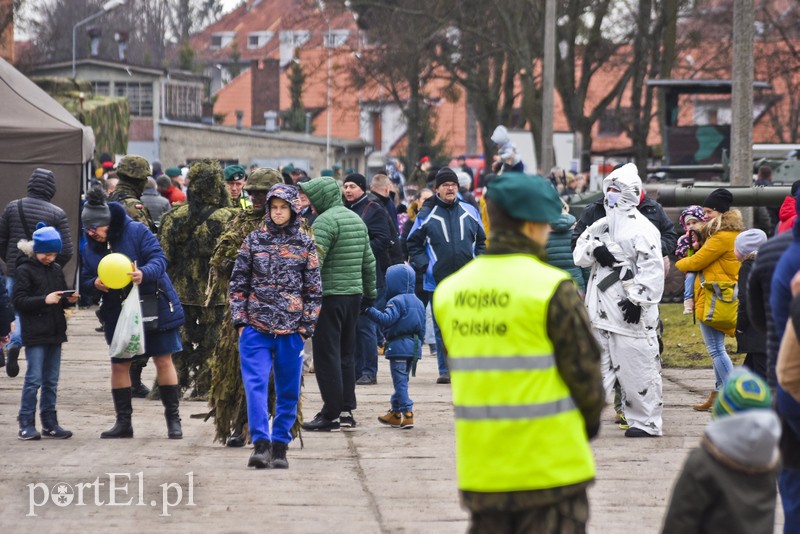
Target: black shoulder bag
point(150, 310)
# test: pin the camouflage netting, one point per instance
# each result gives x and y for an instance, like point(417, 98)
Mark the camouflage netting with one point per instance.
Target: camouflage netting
point(109, 117)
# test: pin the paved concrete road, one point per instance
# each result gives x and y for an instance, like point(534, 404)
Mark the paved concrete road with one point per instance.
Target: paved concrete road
point(374, 479)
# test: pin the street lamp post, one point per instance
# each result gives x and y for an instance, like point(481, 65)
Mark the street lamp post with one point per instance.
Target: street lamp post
point(108, 6)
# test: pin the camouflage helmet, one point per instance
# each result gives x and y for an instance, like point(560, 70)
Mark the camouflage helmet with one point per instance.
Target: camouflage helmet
point(263, 179)
point(134, 167)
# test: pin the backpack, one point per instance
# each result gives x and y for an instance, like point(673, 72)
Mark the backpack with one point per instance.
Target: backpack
point(720, 305)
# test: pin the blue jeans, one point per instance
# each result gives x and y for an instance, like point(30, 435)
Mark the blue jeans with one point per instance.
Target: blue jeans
point(401, 402)
point(259, 354)
point(789, 479)
point(441, 351)
point(367, 341)
point(688, 285)
point(44, 367)
point(16, 336)
point(715, 345)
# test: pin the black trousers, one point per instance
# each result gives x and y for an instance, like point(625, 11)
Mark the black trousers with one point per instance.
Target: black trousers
point(334, 353)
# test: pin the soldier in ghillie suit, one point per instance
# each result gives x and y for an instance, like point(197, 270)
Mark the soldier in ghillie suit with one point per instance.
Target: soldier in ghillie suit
point(227, 396)
point(188, 236)
point(132, 172)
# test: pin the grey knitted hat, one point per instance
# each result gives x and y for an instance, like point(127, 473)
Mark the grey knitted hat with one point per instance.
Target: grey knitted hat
point(95, 212)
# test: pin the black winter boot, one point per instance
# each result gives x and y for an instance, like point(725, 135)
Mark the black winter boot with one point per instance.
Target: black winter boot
point(279, 455)
point(138, 389)
point(122, 405)
point(261, 455)
point(51, 429)
point(169, 398)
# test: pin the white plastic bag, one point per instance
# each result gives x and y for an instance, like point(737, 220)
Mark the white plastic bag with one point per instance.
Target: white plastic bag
point(128, 340)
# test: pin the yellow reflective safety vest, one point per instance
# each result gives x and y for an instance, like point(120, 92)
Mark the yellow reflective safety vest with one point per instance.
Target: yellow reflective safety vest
point(517, 427)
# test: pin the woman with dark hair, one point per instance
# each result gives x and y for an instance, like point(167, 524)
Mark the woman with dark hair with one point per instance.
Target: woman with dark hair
point(109, 229)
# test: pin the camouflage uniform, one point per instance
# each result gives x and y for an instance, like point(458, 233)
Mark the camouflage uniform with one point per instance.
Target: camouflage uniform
point(188, 236)
point(133, 172)
point(565, 508)
point(226, 396)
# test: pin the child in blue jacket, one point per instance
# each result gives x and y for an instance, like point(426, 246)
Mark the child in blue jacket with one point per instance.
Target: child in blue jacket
point(404, 325)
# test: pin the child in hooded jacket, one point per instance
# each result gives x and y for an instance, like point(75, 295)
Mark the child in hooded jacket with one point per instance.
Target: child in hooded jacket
point(39, 298)
point(275, 297)
point(729, 483)
point(404, 323)
point(688, 244)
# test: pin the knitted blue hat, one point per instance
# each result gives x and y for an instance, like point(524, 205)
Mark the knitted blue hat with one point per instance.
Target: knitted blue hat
point(46, 239)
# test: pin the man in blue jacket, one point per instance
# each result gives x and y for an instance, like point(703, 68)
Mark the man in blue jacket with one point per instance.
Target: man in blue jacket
point(447, 234)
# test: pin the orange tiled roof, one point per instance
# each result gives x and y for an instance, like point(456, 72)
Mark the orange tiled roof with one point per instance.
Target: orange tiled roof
point(451, 117)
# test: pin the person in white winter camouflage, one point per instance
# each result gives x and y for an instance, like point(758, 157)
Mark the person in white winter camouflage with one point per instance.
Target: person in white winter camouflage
point(627, 279)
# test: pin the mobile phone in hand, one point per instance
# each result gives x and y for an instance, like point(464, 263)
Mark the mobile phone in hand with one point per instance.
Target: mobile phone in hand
point(68, 293)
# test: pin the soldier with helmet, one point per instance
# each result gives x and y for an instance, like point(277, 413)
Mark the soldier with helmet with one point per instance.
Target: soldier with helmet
point(133, 172)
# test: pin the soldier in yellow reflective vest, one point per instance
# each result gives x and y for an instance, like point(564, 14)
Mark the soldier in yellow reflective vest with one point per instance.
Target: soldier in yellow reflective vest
point(525, 371)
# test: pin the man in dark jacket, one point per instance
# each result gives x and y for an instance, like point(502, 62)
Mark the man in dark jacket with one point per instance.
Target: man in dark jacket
point(374, 216)
point(19, 222)
point(446, 235)
point(347, 266)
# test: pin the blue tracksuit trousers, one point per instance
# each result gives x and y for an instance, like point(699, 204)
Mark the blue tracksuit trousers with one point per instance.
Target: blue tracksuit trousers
point(282, 354)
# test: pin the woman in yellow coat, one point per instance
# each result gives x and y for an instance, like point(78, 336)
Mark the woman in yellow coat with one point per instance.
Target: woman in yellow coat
point(717, 263)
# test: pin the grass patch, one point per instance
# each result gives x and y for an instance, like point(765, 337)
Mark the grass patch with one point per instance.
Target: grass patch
point(683, 343)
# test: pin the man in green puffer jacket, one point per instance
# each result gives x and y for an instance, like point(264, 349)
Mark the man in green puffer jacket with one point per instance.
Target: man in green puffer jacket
point(348, 285)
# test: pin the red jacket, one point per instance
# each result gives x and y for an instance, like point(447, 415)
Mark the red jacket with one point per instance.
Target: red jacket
point(174, 195)
point(787, 214)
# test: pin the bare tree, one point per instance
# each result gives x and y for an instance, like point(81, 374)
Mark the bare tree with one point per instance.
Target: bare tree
point(149, 25)
point(399, 58)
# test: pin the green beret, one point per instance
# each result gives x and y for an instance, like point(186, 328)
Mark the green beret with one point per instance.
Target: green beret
point(326, 172)
point(289, 168)
point(173, 172)
point(337, 167)
point(234, 172)
point(525, 197)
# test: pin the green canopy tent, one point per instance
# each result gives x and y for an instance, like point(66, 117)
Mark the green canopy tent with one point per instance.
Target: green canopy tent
point(36, 131)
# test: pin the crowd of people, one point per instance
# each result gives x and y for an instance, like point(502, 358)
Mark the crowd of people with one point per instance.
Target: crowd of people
point(259, 275)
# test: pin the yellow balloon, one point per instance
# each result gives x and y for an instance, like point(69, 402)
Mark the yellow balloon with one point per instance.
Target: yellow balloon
point(113, 270)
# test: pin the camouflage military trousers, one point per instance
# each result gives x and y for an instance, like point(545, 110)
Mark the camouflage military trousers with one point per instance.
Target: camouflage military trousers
point(199, 335)
point(567, 516)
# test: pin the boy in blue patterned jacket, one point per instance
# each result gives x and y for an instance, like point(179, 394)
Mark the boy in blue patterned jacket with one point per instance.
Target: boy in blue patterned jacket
point(404, 325)
point(275, 297)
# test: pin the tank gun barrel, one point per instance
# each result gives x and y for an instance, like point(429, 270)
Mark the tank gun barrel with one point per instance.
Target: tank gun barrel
point(671, 196)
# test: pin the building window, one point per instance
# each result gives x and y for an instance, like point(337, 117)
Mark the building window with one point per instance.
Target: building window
point(258, 39)
point(101, 88)
point(336, 38)
point(183, 101)
point(140, 97)
point(221, 39)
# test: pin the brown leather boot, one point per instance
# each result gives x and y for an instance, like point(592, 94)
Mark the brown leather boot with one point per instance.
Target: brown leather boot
point(706, 406)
